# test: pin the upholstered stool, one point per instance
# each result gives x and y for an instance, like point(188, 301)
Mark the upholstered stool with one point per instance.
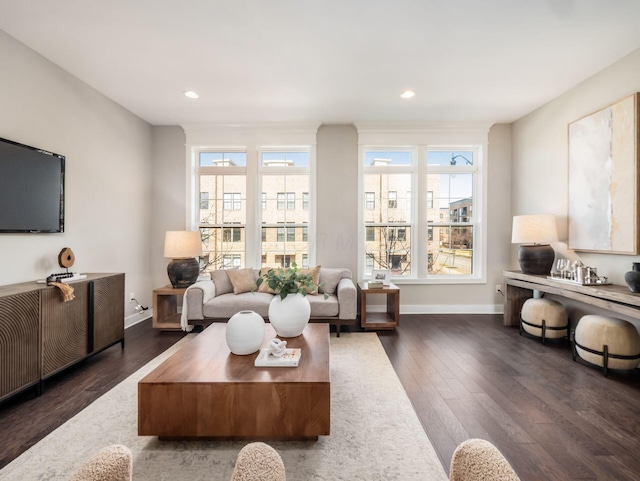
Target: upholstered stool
point(607, 342)
point(258, 462)
point(113, 463)
point(544, 318)
point(479, 460)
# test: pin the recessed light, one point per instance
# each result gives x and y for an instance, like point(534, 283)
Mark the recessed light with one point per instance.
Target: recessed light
point(407, 94)
point(191, 94)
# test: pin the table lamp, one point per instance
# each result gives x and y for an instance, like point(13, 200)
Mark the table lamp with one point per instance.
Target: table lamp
point(182, 247)
point(535, 231)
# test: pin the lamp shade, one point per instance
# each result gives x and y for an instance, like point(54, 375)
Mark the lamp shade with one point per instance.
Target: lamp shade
point(539, 230)
point(534, 229)
point(182, 244)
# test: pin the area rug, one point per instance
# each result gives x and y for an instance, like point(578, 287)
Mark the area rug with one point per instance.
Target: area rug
point(375, 433)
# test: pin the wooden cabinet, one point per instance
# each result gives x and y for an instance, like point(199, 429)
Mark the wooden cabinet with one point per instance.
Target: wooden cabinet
point(165, 308)
point(389, 319)
point(40, 334)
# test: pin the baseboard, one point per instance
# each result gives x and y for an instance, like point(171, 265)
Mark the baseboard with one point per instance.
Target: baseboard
point(137, 318)
point(443, 309)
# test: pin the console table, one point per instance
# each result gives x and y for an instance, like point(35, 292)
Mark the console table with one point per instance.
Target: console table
point(519, 287)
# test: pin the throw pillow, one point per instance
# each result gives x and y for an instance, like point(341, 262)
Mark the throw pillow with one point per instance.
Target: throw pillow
point(243, 280)
point(315, 275)
point(331, 278)
point(222, 282)
point(264, 287)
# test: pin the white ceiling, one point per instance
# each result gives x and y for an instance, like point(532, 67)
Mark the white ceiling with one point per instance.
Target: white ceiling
point(332, 61)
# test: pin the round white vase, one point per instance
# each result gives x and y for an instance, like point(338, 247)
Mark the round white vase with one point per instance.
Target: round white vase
point(245, 332)
point(289, 316)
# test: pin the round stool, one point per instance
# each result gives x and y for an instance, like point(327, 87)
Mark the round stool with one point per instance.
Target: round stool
point(607, 342)
point(544, 318)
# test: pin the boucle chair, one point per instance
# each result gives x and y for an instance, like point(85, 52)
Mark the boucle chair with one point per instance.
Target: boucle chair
point(607, 342)
point(544, 318)
point(112, 463)
point(258, 462)
point(479, 460)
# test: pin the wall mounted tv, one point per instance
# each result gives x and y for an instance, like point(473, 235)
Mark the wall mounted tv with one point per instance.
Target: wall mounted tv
point(31, 189)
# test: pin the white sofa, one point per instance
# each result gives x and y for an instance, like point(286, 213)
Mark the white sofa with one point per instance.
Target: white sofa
point(215, 300)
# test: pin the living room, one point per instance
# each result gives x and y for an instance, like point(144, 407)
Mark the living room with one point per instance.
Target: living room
point(127, 178)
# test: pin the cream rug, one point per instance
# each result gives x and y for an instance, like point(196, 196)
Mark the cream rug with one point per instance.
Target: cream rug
point(375, 434)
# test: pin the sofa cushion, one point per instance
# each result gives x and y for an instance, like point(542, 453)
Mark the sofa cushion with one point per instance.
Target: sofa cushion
point(321, 307)
point(331, 278)
point(222, 282)
point(225, 306)
point(243, 280)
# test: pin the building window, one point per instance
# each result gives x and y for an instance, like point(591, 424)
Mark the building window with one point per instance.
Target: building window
point(264, 201)
point(204, 200)
point(305, 200)
point(305, 260)
point(232, 201)
point(305, 234)
point(370, 200)
point(393, 199)
point(286, 201)
point(291, 234)
point(231, 234)
point(429, 199)
point(280, 237)
point(284, 260)
point(371, 234)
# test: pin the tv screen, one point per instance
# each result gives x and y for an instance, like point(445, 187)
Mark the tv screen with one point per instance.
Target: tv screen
point(31, 189)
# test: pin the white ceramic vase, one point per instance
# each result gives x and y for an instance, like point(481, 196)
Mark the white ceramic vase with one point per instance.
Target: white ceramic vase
point(245, 332)
point(289, 316)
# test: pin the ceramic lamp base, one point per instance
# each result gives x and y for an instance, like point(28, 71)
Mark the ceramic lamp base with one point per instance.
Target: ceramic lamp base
point(536, 259)
point(183, 272)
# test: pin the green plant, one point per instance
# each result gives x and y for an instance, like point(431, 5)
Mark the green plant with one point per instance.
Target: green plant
point(289, 281)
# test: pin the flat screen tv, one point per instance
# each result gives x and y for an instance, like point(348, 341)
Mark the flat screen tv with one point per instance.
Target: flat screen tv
point(31, 189)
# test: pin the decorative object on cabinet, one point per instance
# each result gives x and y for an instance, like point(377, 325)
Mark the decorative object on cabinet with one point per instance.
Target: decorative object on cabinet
point(535, 232)
point(632, 278)
point(603, 179)
point(182, 247)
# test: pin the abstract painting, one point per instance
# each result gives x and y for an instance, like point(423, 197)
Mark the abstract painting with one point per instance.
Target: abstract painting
point(603, 180)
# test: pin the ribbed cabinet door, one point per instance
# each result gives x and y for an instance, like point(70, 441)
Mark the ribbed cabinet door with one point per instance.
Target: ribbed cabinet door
point(19, 342)
point(65, 327)
point(108, 310)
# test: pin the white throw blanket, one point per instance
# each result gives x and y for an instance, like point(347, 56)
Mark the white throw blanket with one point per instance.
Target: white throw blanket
point(208, 291)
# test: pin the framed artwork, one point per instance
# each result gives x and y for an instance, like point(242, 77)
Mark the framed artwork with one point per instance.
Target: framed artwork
point(603, 180)
point(381, 275)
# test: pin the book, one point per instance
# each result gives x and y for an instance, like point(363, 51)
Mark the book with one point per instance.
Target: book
point(375, 285)
point(291, 358)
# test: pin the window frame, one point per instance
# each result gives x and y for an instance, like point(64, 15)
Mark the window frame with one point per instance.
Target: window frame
point(449, 137)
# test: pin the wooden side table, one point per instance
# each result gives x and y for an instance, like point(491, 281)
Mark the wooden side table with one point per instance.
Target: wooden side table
point(165, 308)
point(379, 320)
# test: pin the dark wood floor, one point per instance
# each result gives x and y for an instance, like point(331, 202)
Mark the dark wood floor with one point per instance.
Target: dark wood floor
point(466, 375)
point(470, 377)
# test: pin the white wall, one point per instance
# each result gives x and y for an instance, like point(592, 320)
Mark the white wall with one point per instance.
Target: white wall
point(108, 160)
point(540, 161)
point(168, 174)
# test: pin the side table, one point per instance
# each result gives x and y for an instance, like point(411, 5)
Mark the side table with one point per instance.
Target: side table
point(379, 320)
point(165, 308)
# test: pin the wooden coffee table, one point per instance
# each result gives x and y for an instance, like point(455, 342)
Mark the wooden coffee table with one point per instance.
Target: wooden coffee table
point(204, 391)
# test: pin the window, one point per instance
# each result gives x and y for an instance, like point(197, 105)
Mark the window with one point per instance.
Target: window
point(370, 200)
point(371, 234)
point(393, 199)
point(387, 227)
point(204, 200)
point(286, 201)
point(221, 215)
point(451, 177)
point(253, 201)
point(422, 204)
point(285, 177)
point(233, 234)
point(232, 201)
